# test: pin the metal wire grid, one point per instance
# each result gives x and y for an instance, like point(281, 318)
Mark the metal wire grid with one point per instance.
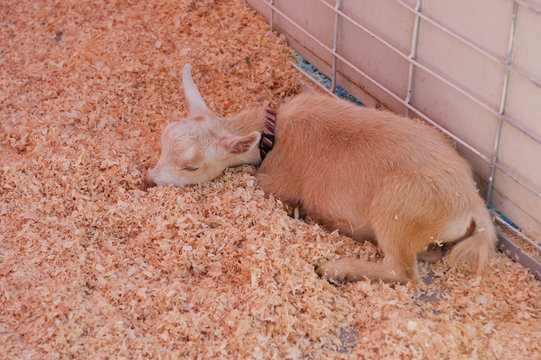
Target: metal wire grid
point(507, 245)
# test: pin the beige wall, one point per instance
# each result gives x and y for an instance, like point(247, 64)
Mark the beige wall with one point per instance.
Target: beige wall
point(455, 85)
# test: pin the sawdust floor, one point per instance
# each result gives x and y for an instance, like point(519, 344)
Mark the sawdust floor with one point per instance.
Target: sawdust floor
point(93, 267)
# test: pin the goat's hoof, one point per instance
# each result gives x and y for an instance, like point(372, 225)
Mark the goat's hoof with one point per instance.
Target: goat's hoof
point(332, 272)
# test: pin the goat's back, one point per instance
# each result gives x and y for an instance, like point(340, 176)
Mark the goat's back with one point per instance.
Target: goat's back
point(327, 144)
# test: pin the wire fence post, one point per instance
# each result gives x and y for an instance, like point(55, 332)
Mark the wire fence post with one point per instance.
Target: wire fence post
point(335, 45)
point(501, 112)
point(271, 3)
point(413, 53)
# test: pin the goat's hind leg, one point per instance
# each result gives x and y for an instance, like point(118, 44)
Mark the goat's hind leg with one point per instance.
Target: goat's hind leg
point(404, 220)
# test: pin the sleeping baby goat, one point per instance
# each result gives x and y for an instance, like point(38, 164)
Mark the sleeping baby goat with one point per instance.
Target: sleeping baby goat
point(367, 173)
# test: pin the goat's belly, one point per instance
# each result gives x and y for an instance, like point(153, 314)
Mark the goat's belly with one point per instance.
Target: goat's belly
point(356, 226)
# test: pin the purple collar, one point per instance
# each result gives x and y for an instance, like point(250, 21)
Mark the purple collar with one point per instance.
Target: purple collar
point(267, 136)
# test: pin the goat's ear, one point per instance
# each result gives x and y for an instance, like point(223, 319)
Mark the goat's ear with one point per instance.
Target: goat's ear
point(196, 104)
point(240, 144)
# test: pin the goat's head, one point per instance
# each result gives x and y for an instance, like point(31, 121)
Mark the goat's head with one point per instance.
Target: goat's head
point(199, 147)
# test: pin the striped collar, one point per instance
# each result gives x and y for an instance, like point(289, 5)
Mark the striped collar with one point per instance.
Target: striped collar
point(267, 136)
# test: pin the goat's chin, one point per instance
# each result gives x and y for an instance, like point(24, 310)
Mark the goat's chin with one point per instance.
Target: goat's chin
point(181, 181)
point(164, 176)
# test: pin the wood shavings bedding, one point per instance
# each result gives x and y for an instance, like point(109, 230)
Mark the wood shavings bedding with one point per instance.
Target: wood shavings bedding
point(93, 267)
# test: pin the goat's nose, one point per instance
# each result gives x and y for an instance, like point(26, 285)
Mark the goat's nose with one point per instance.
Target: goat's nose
point(148, 182)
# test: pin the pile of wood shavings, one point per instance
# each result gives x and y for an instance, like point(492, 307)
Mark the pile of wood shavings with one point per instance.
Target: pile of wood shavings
point(91, 266)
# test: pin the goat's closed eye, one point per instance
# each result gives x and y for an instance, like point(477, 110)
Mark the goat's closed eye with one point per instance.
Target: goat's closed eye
point(190, 168)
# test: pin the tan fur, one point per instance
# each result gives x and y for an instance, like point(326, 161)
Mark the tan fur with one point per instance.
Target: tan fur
point(366, 173)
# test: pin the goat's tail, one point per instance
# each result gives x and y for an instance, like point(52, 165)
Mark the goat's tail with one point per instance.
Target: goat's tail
point(475, 251)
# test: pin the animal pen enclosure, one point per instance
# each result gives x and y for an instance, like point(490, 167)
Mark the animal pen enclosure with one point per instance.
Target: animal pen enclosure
point(91, 266)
